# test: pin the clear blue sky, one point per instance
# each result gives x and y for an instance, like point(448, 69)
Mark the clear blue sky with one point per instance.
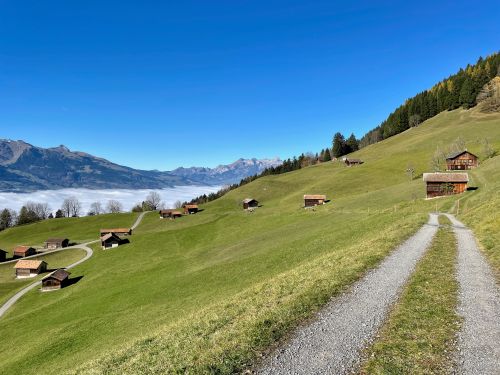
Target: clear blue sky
point(159, 84)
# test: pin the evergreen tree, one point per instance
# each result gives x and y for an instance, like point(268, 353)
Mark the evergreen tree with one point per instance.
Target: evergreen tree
point(352, 144)
point(339, 146)
point(59, 214)
point(467, 95)
point(326, 155)
point(5, 219)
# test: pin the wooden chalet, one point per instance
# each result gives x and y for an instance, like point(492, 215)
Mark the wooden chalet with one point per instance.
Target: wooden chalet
point(440, 184)
point(110, 240)
point(250, 203)
point(117, 231)
point(190, 209)
point(461, 160)
point(314, 200)
point(170, 214)
point(352, 162)
point(3, 255)
point(55, 243)
point(55, 280)
point(23, 251)
point(29, 268)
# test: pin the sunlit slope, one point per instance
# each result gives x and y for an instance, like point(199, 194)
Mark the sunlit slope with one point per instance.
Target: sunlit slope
point(208, 291)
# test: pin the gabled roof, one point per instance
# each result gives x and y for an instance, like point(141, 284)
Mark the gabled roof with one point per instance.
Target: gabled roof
point(22, 249)
point(190, 206)
point(60, 275)
point(167, 211)
point(317, 196)
point(353, 160)
point(116, 230)
point(446, 177)
point(248, 200)
point(56, 240)
point(29, 263)
point(110, 235)
point(458, 153)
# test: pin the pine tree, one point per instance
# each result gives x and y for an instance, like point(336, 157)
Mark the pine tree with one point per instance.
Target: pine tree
point(338, 148)
point(352, 144)
point(59, 214)
point(326, 155)
point(5, 219)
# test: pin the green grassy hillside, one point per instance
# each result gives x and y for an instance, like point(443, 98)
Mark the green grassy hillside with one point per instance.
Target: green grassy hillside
point(207, 292)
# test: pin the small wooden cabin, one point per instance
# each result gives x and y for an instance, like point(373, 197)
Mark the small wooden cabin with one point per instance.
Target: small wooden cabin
point(29, 268)
point(55, 243)
point(314, 200)
point(170, 214)
point(117, 231)
point(462, 160)
point(3, 255)
point(55, 280)
point(110, 240)
point(441, 184)
point(250, 203)
point(23, 251)
point(351, 162)
point(190, 209)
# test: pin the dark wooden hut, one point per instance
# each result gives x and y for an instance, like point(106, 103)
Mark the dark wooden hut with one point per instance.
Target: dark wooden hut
point(311, 200)
point(352, 162)
point(460, 161)
point(440, 184)
point(55, 280)
point(29, 268)
point(23, 251)
point(170, 214)
point(110, 240)
point(190, 209)
point(55, 243)
point(250, 203)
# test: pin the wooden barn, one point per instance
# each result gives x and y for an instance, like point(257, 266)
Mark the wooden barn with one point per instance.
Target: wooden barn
point(110, 240)
point(311, 200)
point(29, 268)
point(170, 214)
point(190, 209)
point(250, 203)
point(23, 251)
point(352, 162)
point(440, 184)
point(460, 161)
point(55, 243)
point(117, 231)
point(3, 255)
point(55, 280)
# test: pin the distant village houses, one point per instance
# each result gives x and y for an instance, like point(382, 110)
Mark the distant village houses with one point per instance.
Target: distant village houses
point(462, 160)
point(29, 268)
point(23, 251)
point(249, 203)
point(55, 280)
point(311, 200)
point(55, 243)
point(441, 184)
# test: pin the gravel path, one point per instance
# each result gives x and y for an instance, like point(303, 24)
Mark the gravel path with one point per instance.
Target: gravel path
point(479, 306)
point(332, 344)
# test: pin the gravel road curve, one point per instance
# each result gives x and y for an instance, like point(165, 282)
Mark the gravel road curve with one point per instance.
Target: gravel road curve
point(479, 306)
point(332, 344)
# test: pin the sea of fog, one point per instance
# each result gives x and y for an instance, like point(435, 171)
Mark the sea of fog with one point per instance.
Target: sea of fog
point(128, 197)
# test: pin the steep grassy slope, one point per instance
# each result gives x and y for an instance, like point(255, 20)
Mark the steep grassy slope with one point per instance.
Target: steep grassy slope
point(206, 292)
point(77, 230)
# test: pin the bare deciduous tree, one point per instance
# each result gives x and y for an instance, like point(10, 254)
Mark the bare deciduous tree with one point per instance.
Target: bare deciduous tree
point(414, 120)
point(96, 208)
point(438, 160)
point(488, 150)
point(71, 207)
point(153, 200)
point(39, 210)
point(114, 206)
point(178, 204)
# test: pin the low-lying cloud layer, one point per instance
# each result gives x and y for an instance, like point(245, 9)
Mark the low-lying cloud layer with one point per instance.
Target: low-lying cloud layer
point(127, 197)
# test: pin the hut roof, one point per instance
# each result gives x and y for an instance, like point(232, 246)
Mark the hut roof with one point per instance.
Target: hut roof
point(313, 196)
point(116, 230)
point(248, 200)
point(61, 274)
point(21, 249)
point(458, 153)
point(353, 160)
point(176, 213)
point(446, 177)
point(166, 211)
point(190, 206)
point(108, 236)
point(29, 263)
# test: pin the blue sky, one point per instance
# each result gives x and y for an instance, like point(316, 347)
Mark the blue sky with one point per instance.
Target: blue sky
point(160, 84)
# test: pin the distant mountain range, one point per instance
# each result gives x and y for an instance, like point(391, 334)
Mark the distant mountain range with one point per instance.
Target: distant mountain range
point(25, 168)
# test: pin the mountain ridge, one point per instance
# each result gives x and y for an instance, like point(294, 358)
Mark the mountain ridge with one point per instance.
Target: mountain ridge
point(25, 167)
